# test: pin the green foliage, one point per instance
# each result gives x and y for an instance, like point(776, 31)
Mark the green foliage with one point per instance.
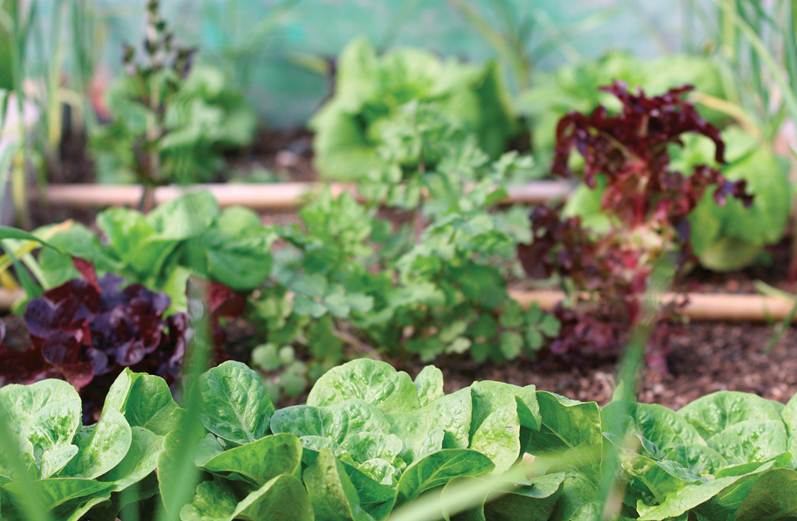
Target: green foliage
point(731, 237)
point(370, 440)
point(376, 95)
point(353, 279)
point(188, 235)
point(202, 118)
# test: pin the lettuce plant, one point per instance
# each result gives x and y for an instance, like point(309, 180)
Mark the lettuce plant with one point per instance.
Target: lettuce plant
point(646, 205)
point(577, 88)
point(374, 93)
point(728, 237)
point(161, 249)
point(170, 121)
point(88, 330)
point(370, 440)
point(732, 236)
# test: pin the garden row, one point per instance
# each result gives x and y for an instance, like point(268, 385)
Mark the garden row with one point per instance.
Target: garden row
point(430, 279)
point(370, 441)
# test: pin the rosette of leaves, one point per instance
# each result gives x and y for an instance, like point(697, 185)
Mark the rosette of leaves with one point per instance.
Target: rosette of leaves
point(645, 205)
point(170, 122)
point(88, 330)
point(727, 455)
point(722, 237)
point(373, 93)
point(161, 249)
point(577, 88)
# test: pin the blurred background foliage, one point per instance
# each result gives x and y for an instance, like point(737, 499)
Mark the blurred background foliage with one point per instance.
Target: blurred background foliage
point(281, 50)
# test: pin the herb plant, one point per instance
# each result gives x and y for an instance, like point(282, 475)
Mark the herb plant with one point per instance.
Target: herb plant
point(646, 205)
point(170, 121)
point(370, 440)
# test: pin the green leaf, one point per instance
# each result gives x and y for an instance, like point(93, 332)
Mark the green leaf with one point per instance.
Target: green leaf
point(260, 460)
point(535, 499)
point(331, 492)
point(685, 499)
point(356, 431)
point(54, 492)
point(443, 423)
point(499, 411)
point(437, 469)
point(773, 497)
point(213, 501)
point(44, 417)
point(235, 250)
point(101, 447)
point(511, 344)
point(567, 424)
point(139, 462)
point(134, 242)
point(184, 217)
point(371, 381)
point(713, 413)
point(281, 499)
point(235, 405)
point(145, 400)
point(789, 415)
point(742, 427)
point(8, 232)
point(429, 385)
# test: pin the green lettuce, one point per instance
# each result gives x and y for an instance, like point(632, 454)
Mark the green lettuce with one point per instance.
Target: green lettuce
point(372, 91)
point(161, 249)
point(370, 440)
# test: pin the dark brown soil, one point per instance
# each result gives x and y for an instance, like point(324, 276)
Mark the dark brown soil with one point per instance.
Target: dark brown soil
point(704, 357)
point(286, 155)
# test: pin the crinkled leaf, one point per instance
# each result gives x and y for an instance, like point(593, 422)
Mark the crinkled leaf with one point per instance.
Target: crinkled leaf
point(101, 447)
point(45, 417)
point(371, 381)
point(499, 411)
point(235, 404)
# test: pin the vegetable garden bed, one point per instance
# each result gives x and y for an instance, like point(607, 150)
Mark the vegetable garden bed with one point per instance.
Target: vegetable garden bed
point(235, 323)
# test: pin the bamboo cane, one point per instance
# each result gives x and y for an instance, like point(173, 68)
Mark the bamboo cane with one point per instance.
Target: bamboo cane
point(699, 306)
point(262, 197)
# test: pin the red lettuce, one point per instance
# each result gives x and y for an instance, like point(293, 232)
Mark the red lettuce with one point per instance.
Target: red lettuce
point(646, 203)
point(88, 330)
